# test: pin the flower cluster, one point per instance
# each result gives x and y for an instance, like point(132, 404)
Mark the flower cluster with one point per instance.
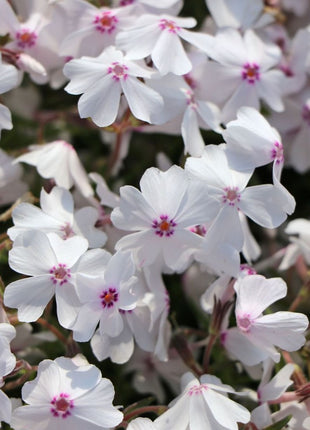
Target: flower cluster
point(168, 268)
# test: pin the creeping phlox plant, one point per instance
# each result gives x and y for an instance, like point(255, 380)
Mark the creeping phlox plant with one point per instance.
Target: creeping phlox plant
point(154, 214)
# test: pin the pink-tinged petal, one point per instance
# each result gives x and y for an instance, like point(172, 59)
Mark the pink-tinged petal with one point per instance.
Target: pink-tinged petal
point(29, 296)
point(193, 142)
point(278, 385)
point(134, 212)
point(58, 204)
point(283, 329)
point(225, 411)
point(258, 203)
point(83, 73)
point(101, 101)
point(96, 406)
point(32, 255)
point(266, 55)
point(291, 254)
point(255, 293)
point(169, 55)
point(242, 348)
point(9, 77)
point(70, 250)
point(68, 304)
point(74, 43)
point(285, 200)
point(143, 101)
point(269, 88)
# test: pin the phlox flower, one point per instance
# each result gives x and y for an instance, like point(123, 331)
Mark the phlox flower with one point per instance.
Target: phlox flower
point(48, 261)
point(142, 424)
point(264, 204)
point(103, 79)
point(244, 72)
point(93, 29)
point(256, 335)
point(103, 298)
point(57, 215)
point(58, 160)
point(203, 404)
point(159, 36)
point(159, 216)
point(65, 395)
point(299, 230)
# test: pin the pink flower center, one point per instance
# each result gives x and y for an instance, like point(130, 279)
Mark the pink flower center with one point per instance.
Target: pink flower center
point(231, 196)
point(118, 71)
point(306, 113)
point(105, 22)
point(26, 38)
point(248, 270)
point(61, 405)
point(244, 323)
point(197, 389)
point(277, 153)
point(168, 24)
point(250, 73)
point(67, 231)
point(164, 226)
point(60, 274)
point(190, 98)
point(109, 297)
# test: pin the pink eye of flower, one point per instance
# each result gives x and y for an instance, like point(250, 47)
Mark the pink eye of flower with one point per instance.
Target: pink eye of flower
point(118, 71)
point(26, 38)
point(109, 297)
point(244, 323)
point(197, 389)
point(105, 22)
point(250, 72)
point(232, 196)
point(277, 152)
point(61, 405)
point(60, 274)
point(67, 231)
point(167, 24)
point(306, 113)
point(190, 99)
point(164, 226)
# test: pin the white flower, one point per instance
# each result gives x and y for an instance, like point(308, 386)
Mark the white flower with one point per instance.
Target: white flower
point(65, 395)
point(7, 364)
point(159, 36)
point(8, 80)
point(48, 261)
point(57, 215)
point(58, 160)
point(256, 335)
point(244, 72)
point(203, 405)
point(11, 187)
point(160, 215)
point(103, 79)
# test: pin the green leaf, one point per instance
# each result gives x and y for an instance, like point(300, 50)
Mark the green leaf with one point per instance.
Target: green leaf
point(280, 424)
